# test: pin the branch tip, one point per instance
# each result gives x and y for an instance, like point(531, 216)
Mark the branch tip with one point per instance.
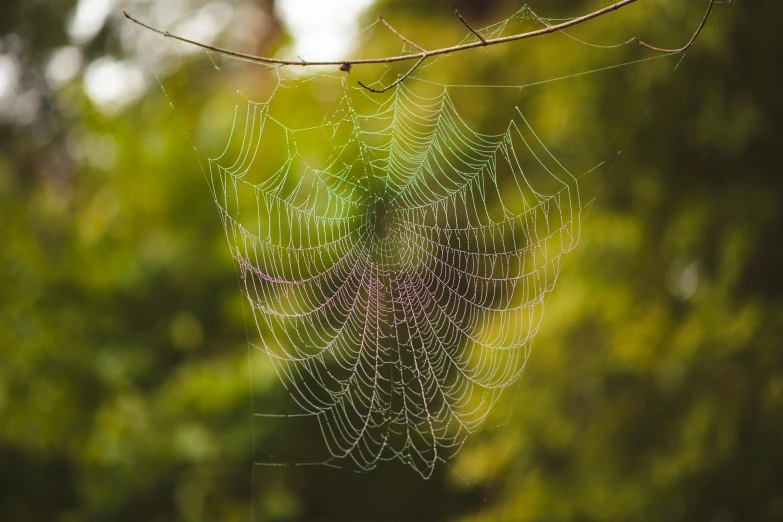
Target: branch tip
point(400, 36)
point(465, 23)
point(400, 79)
point(366, 87)
point(540, 20)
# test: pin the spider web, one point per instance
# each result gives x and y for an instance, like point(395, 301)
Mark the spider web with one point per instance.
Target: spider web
point(396, 260)
point(398, 287)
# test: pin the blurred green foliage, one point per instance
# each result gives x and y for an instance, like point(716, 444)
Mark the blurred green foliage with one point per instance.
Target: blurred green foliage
point(655, 389)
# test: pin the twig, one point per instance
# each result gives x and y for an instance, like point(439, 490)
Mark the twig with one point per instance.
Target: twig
point(466, 24)
point(392, 29)
point(689, 44)
point(540, 20)
point(398, 80)
point(410, 71)
point(423, 55)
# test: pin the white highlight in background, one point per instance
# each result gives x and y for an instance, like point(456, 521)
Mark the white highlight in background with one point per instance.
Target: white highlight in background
point(63, 65)
point(322, 29)
point(204, 25)
point(9, 76)
point(113, 84)
point(88, 19)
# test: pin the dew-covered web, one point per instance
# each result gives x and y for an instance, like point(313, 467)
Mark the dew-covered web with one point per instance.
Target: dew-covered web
point(398, 289)
point(396, 260)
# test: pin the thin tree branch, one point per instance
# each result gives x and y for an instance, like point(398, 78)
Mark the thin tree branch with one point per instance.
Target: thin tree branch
point(466, 24)
point(401, 78)
point(346, 65)
point(540, 20)
point(389, 59)
point(392, 29)
point(689, 44)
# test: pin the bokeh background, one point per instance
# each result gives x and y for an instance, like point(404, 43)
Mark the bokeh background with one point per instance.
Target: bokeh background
point(655, 388)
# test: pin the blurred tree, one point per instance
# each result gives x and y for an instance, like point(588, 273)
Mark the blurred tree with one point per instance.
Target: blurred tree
point(655, 390)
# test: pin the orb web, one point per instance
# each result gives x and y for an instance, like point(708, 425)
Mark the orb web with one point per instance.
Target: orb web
point(396, 259)
point(397, 271)
point(396, 284)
